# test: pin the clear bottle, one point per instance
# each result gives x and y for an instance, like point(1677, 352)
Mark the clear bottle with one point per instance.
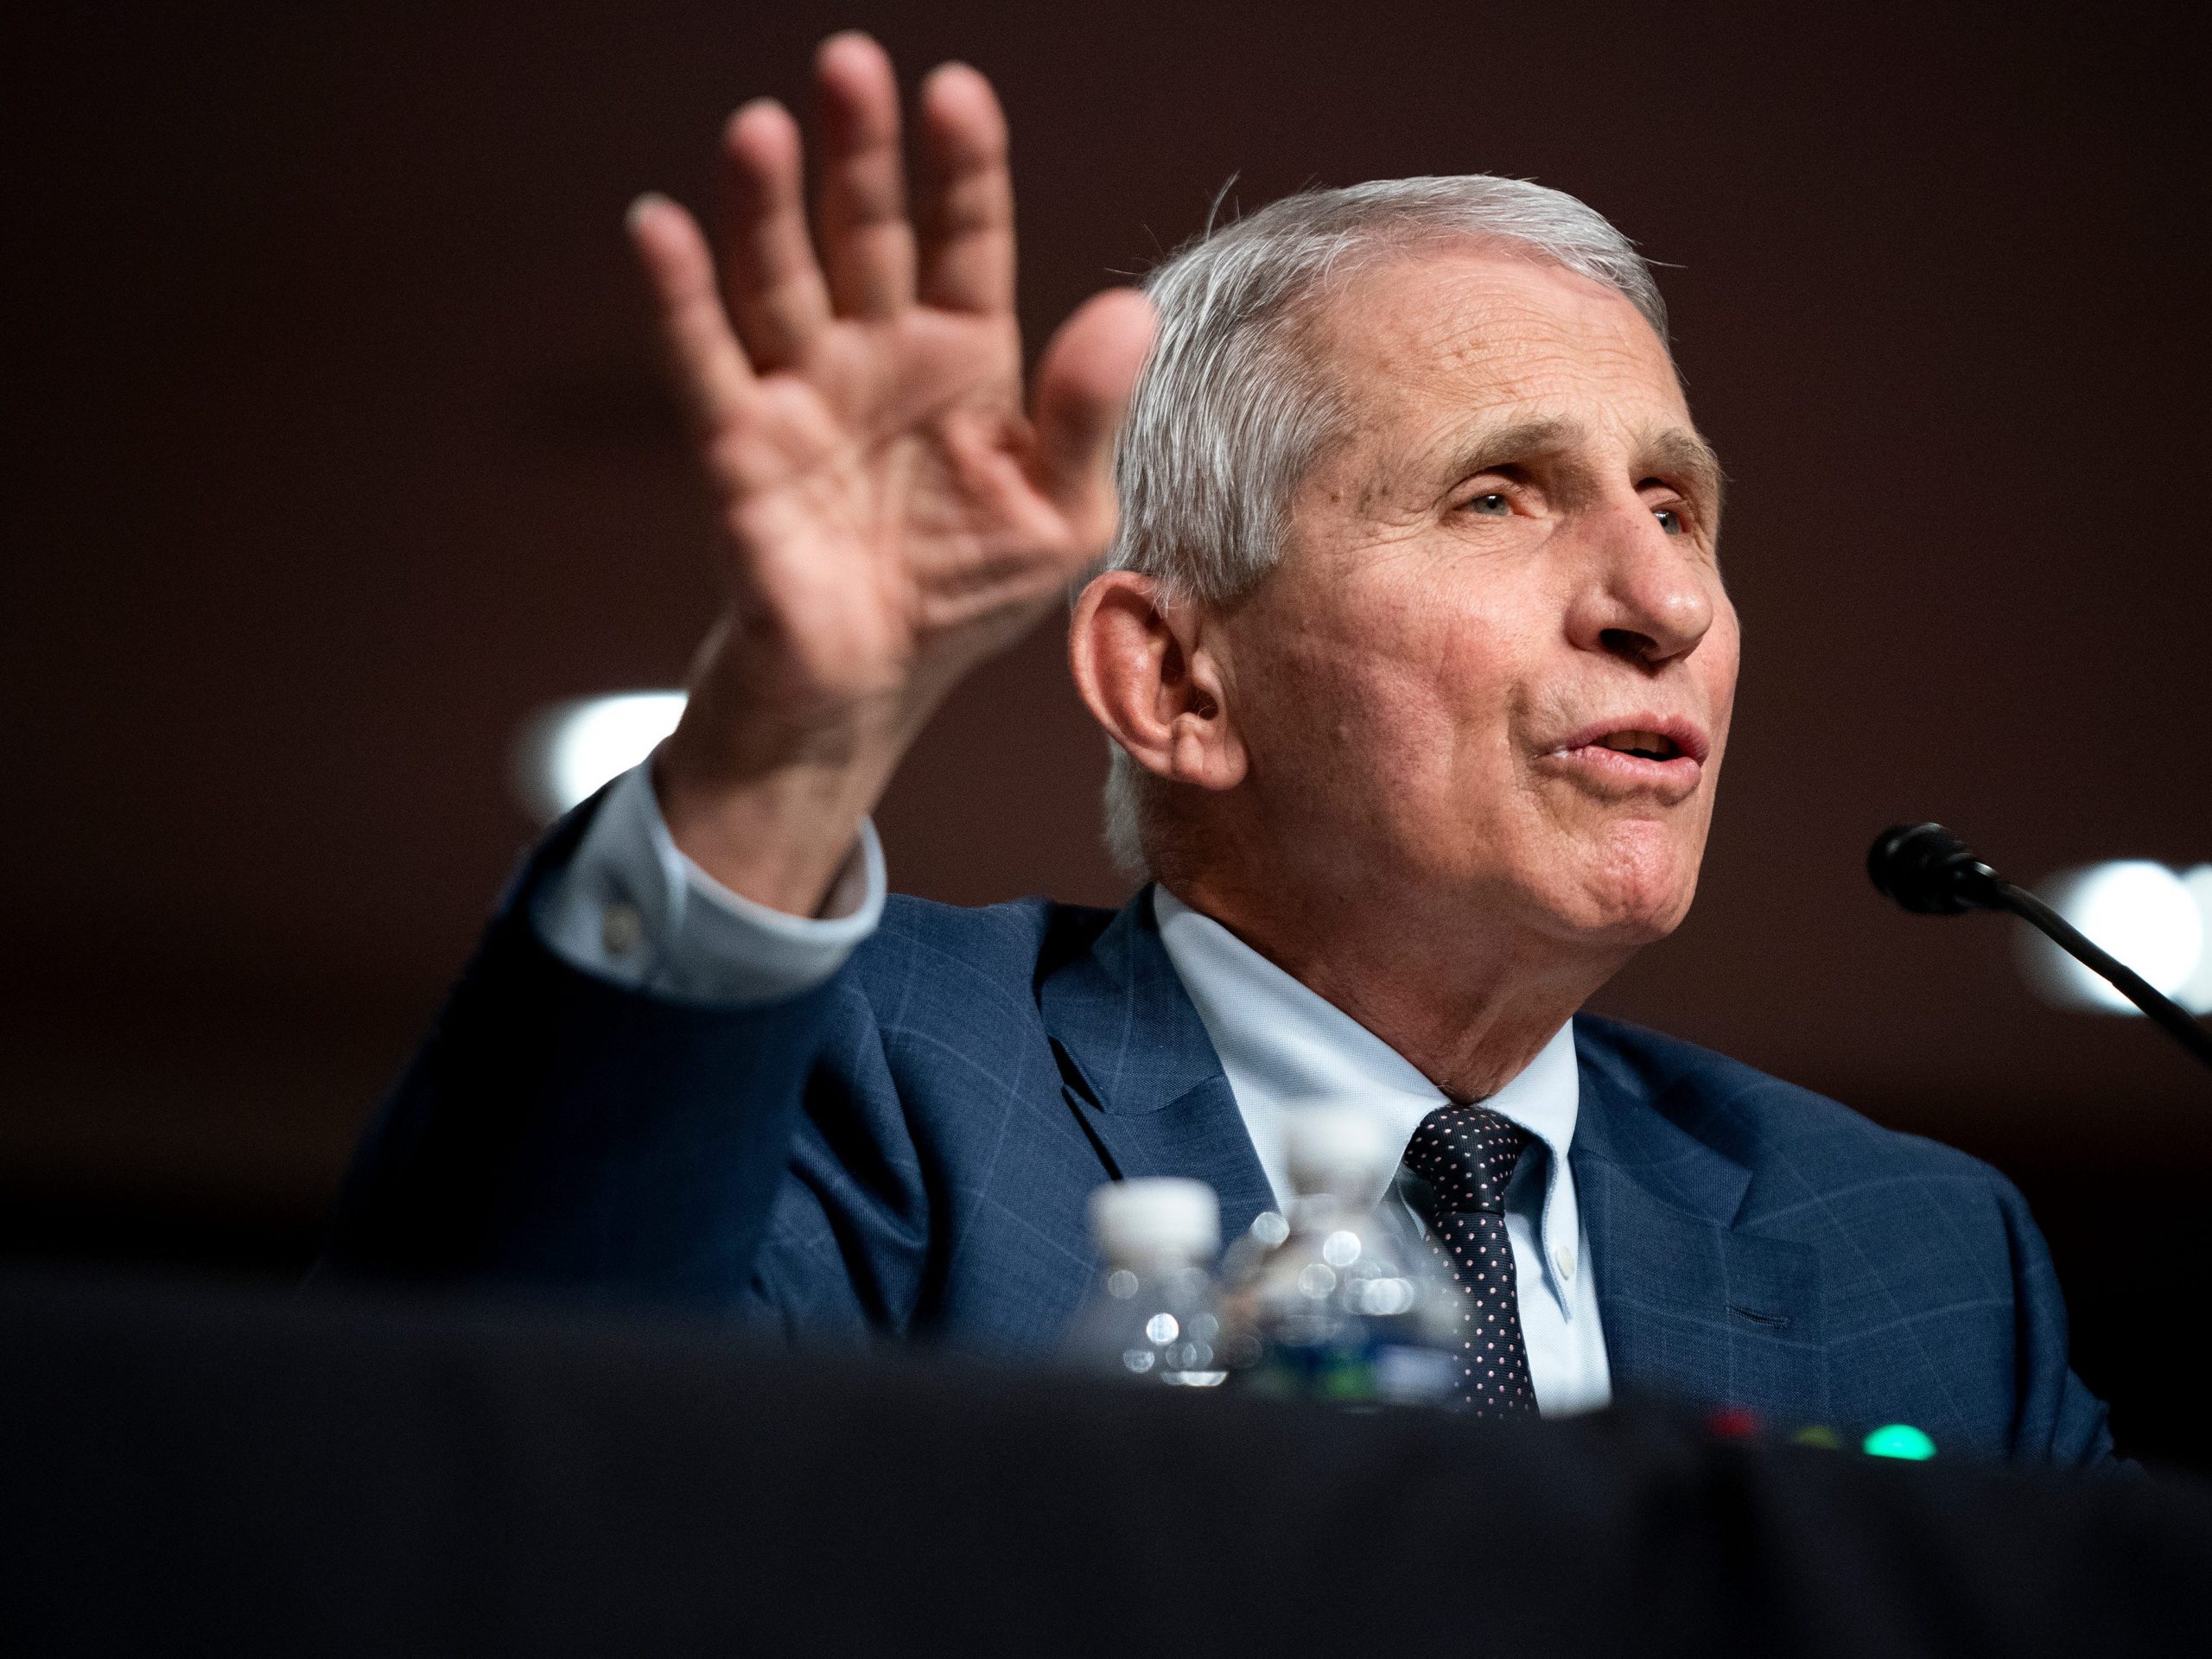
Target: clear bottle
point(1342, 1300)
point(1154, 1313)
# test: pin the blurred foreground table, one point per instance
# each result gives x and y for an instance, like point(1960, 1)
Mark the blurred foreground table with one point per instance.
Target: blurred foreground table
point(193, 1471)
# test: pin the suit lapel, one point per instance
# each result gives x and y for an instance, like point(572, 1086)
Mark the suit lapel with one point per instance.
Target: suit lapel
point(1139, 1071)
point(1690, 1305)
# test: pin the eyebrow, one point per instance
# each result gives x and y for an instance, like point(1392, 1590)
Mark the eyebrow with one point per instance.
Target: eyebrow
point(1674, 452)
point(1690, 458)
point(1504, 445)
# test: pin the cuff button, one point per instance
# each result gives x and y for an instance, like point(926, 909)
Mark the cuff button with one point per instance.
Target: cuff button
point(620, 929)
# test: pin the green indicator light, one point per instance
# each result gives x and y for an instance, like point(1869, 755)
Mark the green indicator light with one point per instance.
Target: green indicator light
point(1898, 1441)
point(1818, 1435)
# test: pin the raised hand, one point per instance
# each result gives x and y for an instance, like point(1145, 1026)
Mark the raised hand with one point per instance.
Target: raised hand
point(891, 515)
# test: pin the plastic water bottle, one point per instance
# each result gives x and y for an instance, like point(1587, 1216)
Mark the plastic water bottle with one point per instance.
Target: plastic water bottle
point(1154, 1313)
point(1342, 1300)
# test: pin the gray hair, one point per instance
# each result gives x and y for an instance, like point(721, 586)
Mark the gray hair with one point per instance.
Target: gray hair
point(1229, 415)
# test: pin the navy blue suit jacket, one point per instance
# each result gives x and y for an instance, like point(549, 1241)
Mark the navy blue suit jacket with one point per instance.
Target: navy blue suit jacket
point(908, 1149)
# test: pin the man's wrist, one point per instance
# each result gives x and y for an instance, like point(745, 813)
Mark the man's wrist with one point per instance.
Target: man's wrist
point(634, 909)
point(775, 826)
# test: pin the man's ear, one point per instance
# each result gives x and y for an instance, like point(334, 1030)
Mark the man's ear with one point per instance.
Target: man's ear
point(1150, 673)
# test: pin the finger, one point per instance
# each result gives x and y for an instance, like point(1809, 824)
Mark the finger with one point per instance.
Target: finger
point(709, 367)
point(1083, 383)
point(776, 293)
point(968, 248)
point(867, 245)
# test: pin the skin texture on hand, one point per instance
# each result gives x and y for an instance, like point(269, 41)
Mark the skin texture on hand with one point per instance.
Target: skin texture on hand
point(890, 513)
point(1386, 761)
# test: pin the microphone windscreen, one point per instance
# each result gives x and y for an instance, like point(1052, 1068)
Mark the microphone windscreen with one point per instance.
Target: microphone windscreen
point(1930, 871)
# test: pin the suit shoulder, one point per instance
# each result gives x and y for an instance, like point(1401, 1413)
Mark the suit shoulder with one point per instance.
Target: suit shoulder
point(1759, 1119)
point(999, 951)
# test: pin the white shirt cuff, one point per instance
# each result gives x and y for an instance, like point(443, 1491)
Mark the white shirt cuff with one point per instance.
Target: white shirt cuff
point(632, 909)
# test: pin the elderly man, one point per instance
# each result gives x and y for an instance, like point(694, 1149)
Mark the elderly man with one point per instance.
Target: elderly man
point(1417, 665)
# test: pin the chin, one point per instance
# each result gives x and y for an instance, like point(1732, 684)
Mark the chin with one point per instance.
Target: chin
point(1647, 923)
point(1636, 890)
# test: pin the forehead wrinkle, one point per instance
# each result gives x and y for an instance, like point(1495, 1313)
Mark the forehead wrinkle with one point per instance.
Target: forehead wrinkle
point(1499, 382)
point(1469, 363)
point(1496, 359)
point(1463, 321)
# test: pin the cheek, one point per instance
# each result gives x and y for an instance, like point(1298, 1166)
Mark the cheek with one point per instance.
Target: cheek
point(1411, 703)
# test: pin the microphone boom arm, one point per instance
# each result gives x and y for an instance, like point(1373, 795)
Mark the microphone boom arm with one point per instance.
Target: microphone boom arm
point(1928, 870)
point(2163, 1010)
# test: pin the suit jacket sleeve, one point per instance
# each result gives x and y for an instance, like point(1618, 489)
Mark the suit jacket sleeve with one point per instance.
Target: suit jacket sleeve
point(2059, 1419)
point(558, 1128)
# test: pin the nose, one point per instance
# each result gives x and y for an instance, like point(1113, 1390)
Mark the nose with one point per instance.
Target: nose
point(1646, 596)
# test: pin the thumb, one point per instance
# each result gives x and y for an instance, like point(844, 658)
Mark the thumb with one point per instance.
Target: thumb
point(1082, 390)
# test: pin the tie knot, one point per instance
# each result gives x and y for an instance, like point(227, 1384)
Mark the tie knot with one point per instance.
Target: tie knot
point(1466, 1153)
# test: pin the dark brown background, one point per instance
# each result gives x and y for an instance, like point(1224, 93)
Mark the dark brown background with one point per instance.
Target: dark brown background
point(337, 451)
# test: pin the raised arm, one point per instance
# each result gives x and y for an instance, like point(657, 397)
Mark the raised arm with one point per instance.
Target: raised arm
point(889, 513)
point(889, 516)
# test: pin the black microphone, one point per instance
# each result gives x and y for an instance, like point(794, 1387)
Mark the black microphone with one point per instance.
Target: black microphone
point(1930, 872)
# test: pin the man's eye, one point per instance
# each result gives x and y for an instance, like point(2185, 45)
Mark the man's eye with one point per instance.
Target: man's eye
point(1669, 520)
point(1493, 504)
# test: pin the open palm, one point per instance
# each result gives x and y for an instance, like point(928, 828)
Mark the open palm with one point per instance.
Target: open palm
point(892, 513)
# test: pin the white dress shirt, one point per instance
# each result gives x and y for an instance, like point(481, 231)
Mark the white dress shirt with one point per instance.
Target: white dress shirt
point(631, 908)
point(1285, 1049)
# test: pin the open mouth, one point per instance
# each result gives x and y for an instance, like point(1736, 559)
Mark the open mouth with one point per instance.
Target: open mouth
point(1646, 746)
point(1629, 759)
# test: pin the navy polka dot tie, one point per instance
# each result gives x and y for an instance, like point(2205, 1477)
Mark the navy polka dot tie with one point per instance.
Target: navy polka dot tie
point(1466, 1155)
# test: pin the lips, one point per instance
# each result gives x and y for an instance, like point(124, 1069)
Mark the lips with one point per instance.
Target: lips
point(1656, 738)
point(1651, 745)
point(1644, 752)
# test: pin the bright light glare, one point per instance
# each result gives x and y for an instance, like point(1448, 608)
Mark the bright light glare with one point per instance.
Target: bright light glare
point(2195, 992)
point(569, 750)
point(2141, 913)
point(1899, 1440)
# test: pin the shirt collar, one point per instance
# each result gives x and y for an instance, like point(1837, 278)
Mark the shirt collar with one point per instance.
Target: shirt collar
point(1278, 1038)
point(1272, 1029)
point(1284, 1045)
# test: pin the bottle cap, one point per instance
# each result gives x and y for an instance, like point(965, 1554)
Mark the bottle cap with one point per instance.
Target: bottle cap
point(1339, 1151)
point(1165, 1215)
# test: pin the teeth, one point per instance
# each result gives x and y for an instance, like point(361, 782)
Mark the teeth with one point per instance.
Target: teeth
point(1647, 743)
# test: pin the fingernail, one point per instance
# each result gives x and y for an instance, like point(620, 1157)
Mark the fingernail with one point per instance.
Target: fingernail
point(635, 213)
